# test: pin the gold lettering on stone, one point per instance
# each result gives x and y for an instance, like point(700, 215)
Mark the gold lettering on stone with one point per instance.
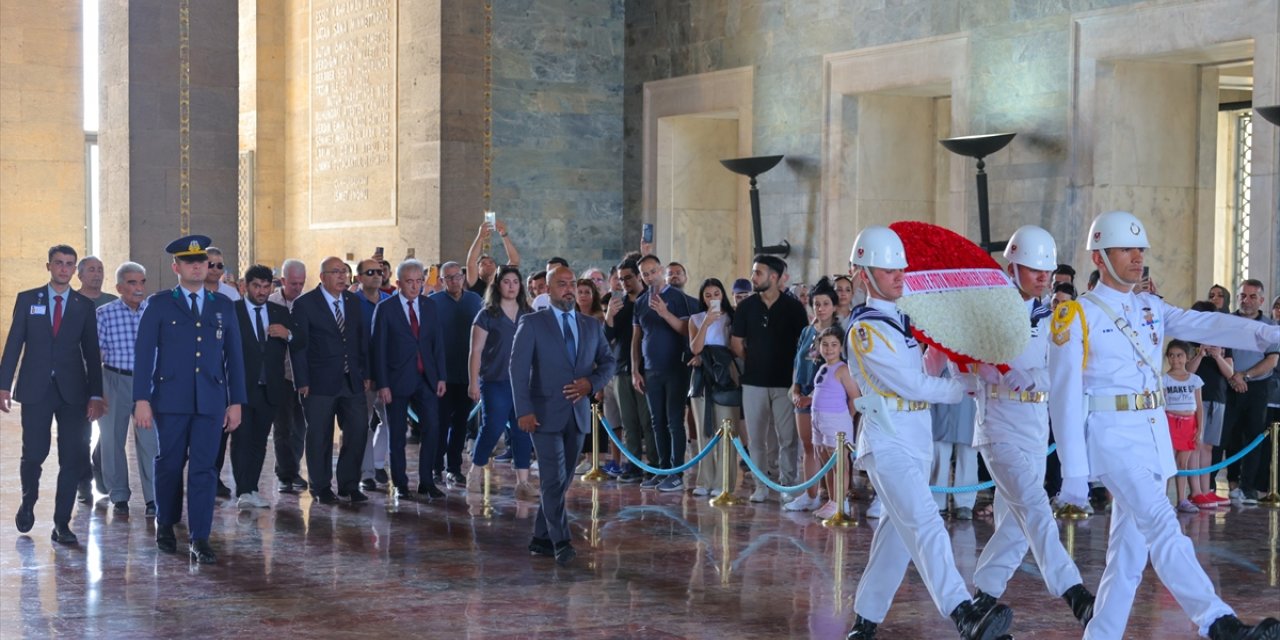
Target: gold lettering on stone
point(353, 113)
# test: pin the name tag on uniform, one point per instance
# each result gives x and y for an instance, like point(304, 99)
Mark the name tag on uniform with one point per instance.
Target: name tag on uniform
point(38, 309)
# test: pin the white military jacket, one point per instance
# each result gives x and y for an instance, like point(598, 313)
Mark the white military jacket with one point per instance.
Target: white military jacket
point(886, 361)
point(1024, 424)
point(1091, 362)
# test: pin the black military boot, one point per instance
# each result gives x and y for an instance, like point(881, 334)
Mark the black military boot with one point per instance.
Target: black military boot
point(1230, 628)
point(1081, 602)
point(975, 624)
point(983, 601)
point(863, 629)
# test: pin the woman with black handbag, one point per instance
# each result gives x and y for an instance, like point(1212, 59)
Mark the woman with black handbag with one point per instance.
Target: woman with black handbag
point(714, 389)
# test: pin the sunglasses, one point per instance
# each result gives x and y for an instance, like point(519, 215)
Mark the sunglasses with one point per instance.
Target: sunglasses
point(373, 272)
point(216, 265)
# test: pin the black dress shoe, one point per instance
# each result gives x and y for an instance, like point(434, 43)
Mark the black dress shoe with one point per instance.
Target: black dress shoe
point(457, 479)
point(26, 517)
point(355, 497)
point(201, 552)
point(121, 507)
point(542, 547)
point(165, 540)
point(430, 490)
point(285, 486)
point(223, 490)
point(863, 629)
point(1230, 628)
point(151, 509)
point(565, 553)
point(300, 484)
point(62, 534)
point(974, 623)
point(84, 492)
point(1081, 602)
point(380, 475)
point(325, 497)
point(403, 493)
point(368, 484)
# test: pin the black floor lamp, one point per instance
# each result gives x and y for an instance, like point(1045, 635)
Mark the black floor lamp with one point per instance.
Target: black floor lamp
point(752, 167)
point(980, 147)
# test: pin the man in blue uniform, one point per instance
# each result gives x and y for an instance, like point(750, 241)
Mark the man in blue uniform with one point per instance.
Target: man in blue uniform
point(189, 383)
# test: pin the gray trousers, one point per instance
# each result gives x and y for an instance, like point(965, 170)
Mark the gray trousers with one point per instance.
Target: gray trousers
point(771, 429)
point(557, 456)
point(634, 410)
point(114, 432)
point(375, 450)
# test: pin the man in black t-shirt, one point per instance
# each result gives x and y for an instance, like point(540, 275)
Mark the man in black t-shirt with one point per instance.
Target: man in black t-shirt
point(632, 405)
point(766, 329)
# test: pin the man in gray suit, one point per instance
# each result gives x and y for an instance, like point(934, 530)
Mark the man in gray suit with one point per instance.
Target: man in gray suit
point(560, 358)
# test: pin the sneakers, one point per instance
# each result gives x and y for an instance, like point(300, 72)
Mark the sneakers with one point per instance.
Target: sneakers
point(1186, 507)
point(671, 484)
point(1220, 499)
point(760, 494)
point(1205, 501)
point(699, 491)
point(963, 513)
point(803, 503)
point(612, 469)
point(876, 509)
point(1251, 497)
point(1236, 496)
point(630, 476)
point(826, 511)
point(526, 491)
point(583, 467)
point(715, 493)
point(252, 501)
point(651, 482)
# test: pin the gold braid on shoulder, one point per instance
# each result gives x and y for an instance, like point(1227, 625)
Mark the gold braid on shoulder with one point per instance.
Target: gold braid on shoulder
point(1060, 327)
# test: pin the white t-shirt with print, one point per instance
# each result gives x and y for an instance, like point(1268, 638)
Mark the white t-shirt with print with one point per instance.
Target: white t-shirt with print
point(1180, 395)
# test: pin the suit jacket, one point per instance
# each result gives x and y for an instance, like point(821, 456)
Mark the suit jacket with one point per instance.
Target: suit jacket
point(318, 362)
point(183, 364)
point(540, 369)
point(395, 350)
point(269, 355)
point(73, 359)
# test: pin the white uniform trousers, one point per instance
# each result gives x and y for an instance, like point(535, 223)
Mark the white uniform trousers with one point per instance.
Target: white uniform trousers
point(910, 531)
point(1144, 525)
point(1023, 518)
point(379, 445)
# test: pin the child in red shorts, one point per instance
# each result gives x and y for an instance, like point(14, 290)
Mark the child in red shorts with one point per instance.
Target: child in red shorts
point(1186, 414)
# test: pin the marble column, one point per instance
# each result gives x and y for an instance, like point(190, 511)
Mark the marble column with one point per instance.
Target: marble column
point(141, 137)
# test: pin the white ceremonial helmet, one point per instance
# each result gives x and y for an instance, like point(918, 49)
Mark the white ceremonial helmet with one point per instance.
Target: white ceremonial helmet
point(1117, 229)
point(1032, 247)
point(878, 247)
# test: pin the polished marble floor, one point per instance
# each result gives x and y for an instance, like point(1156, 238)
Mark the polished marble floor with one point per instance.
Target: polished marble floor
point(650, 566)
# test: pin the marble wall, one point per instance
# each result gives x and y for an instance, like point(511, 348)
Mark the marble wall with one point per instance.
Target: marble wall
point(42, 145)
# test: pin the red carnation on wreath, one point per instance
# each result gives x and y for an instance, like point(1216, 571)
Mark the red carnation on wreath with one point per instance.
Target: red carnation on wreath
point(959, 300)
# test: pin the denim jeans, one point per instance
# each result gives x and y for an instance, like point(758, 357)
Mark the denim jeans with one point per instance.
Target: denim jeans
point(498, 410)
point(665, 392)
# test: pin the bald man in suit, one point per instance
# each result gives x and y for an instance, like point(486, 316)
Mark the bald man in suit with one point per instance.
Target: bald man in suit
point(559, 359)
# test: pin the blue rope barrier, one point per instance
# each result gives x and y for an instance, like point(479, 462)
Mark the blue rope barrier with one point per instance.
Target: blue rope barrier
point(1228, 462)
point(715, 440)
point(760, 475)
point(981, 486)
point(474, 410)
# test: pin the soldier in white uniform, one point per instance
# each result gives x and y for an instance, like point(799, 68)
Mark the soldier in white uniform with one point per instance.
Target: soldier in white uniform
point(1108, 418)
point(1012, 435)
point(895, 447)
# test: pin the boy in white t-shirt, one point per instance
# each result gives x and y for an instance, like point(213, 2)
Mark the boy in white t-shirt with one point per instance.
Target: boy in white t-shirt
point(1185, 411)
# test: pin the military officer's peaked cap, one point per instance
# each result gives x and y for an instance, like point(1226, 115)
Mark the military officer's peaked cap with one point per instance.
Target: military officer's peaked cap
point(189, 247)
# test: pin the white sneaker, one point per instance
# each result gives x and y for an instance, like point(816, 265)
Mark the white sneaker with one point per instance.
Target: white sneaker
point(760, 494)
point(715, 493)
point(826, 511)
point(1237, 496)
point(803, 503)
point(876, 509)
point(583, 467)
point(252, 501)
point(699, 491)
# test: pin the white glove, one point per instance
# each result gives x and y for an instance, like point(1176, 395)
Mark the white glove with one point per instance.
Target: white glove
point(1074, 491)
point(934, 361)
point(989, 374)
point(972, 384)
point(1019, 380)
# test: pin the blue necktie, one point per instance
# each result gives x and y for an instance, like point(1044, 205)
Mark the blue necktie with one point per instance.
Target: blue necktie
point(569, 342)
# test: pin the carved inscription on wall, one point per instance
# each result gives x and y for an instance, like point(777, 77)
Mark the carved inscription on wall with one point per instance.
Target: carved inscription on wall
point(353, 112)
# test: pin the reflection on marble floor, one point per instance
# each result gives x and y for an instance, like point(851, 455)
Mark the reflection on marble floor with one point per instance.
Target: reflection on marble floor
point(650, 566)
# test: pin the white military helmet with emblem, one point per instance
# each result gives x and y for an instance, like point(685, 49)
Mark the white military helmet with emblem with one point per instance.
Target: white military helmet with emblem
point(878, 247)
point(1117, 229)
point(1033, 248)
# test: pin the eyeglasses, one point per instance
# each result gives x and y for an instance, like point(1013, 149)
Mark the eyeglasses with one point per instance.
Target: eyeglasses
point(373, 272)
point(337, 272)
point(456, 276)
point(216, 265)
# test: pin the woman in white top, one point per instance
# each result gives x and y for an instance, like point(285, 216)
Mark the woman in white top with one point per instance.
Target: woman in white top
point(710, 327)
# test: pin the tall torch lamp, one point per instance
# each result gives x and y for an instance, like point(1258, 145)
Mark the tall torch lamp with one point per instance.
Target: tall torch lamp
point(980, 147)
point(752, 167)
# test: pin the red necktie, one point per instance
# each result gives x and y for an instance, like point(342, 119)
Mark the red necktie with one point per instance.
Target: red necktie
point(413, 326)
point(57, 315)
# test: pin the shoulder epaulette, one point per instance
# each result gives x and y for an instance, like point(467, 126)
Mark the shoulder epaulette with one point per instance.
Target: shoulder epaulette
point(1060, 328)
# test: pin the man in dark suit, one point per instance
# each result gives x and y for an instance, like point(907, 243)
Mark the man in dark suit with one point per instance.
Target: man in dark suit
point(55, 331)
point(265, 332)
point(559, 359)
point(188, 380)
point(331, 373)
point(409, 368)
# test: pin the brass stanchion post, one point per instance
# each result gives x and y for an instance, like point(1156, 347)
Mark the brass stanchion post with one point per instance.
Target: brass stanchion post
point(726, 497)
point(486, 506)
point(1272, 499)
point(840, 519)
point(595, 518)
point(1071, 538)
point(1071, 512)
point(595, 474)
point(726, 567)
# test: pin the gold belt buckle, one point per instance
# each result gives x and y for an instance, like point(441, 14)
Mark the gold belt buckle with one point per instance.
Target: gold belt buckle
point(1122, 402)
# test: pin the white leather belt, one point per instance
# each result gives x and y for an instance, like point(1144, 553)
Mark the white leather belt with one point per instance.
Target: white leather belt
point(1009, 395)
point(1128, 402)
